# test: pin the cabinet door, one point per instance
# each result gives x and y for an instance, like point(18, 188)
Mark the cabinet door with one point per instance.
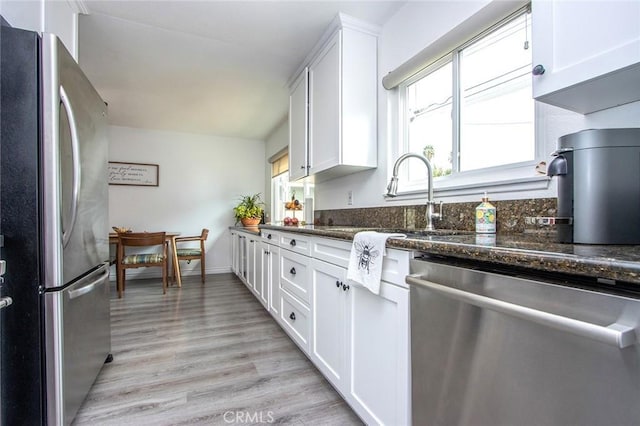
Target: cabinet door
point(378, 331)
point(234, 252)
point(274, 280)
point(325, 108)
point(251, 263)
point(586, 49)
point(329, 321)
point(262, 274)
point(242, 258)
point(298, 127)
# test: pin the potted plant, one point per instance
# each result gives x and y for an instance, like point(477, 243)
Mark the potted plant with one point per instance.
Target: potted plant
point(249, 210)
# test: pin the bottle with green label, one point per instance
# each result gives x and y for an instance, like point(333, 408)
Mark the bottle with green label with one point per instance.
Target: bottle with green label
point(485, 217)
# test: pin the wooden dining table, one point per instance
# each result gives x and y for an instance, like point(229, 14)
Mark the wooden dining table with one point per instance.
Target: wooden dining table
point(171, 239)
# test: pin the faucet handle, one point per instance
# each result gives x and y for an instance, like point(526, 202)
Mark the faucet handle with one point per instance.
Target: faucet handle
point(438, 215)
point(392, 188)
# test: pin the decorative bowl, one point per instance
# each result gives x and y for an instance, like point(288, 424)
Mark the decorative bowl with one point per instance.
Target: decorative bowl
point(121, 230)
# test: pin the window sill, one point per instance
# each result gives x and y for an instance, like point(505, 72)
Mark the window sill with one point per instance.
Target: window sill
point(472, 185)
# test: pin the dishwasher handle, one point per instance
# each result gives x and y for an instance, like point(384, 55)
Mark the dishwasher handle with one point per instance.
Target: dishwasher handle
point(618, 335)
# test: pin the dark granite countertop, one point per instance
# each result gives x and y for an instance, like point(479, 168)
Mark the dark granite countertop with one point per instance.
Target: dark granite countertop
point(534, 251)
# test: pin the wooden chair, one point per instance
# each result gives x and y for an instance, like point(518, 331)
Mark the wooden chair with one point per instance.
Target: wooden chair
point(192, 253)
point(126, 261)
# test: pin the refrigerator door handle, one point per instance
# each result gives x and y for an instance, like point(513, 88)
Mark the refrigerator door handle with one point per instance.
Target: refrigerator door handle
point(75, 153)
point(88, 288)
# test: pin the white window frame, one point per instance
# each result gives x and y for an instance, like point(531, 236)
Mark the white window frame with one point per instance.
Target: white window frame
point(510, 178)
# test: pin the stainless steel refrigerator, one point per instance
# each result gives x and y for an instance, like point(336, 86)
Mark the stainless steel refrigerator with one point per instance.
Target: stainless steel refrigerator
point(56, 334)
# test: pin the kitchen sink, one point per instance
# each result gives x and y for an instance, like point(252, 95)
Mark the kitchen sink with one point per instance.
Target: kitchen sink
point(410, 233)
point(421, 234)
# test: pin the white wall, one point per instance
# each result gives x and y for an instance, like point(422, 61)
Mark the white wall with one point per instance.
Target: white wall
point(411, 29)
point(52, 16)
point(201, 179)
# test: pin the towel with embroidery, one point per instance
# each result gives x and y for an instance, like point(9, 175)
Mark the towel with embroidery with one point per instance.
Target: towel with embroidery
point(365, 260)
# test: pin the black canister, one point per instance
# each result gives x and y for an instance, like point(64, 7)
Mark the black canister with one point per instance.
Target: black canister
point(598, 172)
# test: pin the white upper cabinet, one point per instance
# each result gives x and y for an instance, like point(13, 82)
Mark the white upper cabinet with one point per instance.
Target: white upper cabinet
point(324, 107)
point(586, 54)
point(340, 116)
point(298, 127)
point(56, 17)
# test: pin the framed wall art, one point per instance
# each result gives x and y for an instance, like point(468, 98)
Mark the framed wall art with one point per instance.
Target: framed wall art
point(138, 174)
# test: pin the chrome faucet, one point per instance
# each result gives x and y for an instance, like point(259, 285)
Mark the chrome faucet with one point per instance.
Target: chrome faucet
point(392, 188)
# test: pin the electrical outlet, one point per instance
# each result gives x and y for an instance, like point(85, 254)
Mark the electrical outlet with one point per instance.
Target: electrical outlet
point(350, 198)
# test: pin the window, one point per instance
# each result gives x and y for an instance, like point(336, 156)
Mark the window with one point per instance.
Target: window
point(472, 110)
point(282, 192)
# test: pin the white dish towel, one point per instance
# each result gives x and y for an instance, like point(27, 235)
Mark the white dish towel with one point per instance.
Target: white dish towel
point(365, 261)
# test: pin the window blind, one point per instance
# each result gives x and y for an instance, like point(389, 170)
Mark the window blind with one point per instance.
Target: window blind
point(280, 165)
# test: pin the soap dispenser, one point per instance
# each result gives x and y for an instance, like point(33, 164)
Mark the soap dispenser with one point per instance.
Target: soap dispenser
point(485, 217)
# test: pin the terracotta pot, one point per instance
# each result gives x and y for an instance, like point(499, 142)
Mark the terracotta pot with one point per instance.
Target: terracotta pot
point(249, 221)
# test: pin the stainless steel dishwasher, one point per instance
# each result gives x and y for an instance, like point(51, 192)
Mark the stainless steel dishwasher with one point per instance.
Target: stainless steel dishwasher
point(496, 347)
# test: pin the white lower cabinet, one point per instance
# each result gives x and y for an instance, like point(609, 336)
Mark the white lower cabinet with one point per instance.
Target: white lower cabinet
point(235, 251)
point(294, 274)
point(270, 274)
point(330, 310)
point(296, 320)
point(251, 245)
point(358, 340)
point(262, 273)
point(295, 313)
point(378, 356)
point(239, 256)
point(274, 280)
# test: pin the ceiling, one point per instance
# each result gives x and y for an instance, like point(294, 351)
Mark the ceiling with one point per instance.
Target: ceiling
point(208, 67)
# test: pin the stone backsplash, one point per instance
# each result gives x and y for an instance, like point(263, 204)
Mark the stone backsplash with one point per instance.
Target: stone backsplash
point(461, 216)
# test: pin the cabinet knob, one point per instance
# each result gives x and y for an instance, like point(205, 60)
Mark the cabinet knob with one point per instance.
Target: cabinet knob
point(538, 70)
point(269, 236)
point(292, 316)
point(345, 287)
point(338, 284)
point(293, 243)
point(302, 167)
point(292, 271)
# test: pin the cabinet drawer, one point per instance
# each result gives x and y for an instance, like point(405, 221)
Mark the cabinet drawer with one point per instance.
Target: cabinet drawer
point(332, 251)
point(295, 319)
point(296, 242)
point(295, 274)
point(270, 237)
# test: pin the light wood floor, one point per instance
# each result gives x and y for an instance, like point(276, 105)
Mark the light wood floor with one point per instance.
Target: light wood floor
point(205, 355)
